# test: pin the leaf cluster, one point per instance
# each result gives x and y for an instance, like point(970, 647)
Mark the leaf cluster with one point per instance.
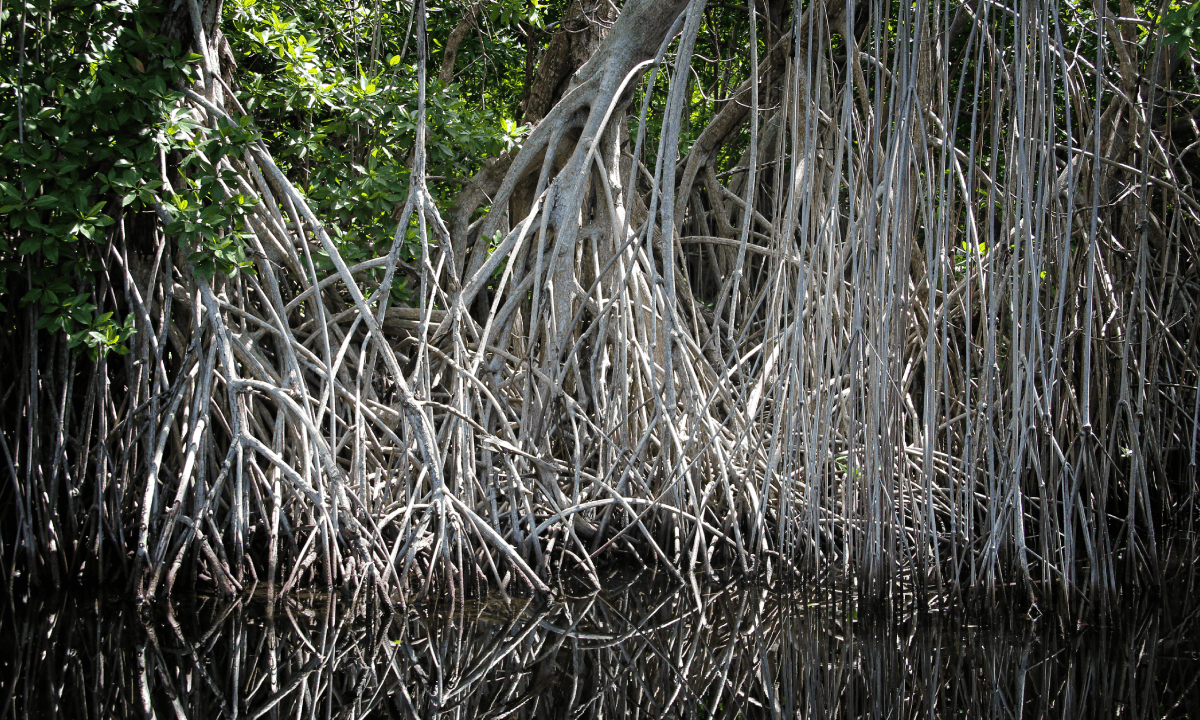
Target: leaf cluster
point(334, 90)
point(86, 96)
point(1181, 26)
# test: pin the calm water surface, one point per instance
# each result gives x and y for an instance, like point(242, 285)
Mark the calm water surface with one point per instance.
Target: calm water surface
point(642, 648)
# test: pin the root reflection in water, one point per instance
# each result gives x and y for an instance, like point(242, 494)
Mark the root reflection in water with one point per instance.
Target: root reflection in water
point(644, 647)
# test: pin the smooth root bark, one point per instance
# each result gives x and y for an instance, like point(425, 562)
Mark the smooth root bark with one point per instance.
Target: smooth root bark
point(882, 315)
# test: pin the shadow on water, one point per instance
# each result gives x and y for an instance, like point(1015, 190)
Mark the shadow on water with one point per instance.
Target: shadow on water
point(642, 648)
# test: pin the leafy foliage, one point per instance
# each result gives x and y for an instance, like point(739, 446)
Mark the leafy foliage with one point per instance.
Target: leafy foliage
point(92, 116)
point(337, 103)
point(87, 93)
point(1181, 26)
point(92, 101)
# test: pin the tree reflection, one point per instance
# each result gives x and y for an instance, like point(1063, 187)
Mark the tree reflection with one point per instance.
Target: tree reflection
point(642, 648)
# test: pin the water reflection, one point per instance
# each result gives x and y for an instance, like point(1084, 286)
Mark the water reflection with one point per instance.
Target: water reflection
point(643, 648)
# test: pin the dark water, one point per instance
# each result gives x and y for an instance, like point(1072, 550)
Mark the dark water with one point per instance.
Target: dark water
point(643, 648)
